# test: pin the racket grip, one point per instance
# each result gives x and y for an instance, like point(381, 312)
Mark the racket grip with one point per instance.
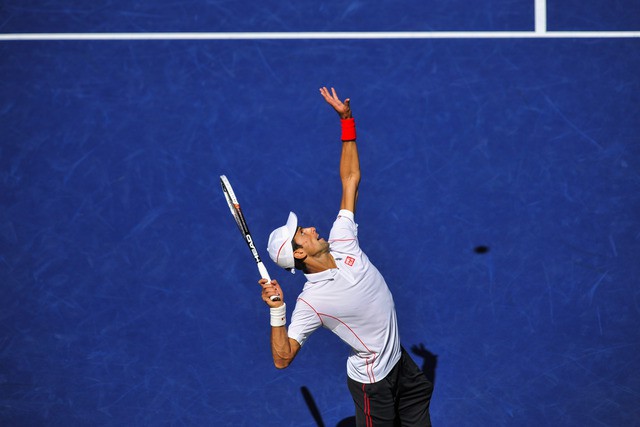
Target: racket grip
point(265, 275)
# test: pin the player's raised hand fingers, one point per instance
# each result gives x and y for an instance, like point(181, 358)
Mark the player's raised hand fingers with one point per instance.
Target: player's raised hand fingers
point(331, 99)
point(342, 108)
point(326, 95)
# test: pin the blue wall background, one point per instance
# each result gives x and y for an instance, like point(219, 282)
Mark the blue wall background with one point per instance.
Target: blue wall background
point(128, 298)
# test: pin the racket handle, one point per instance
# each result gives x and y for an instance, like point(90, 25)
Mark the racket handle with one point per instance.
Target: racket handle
point(265, 275)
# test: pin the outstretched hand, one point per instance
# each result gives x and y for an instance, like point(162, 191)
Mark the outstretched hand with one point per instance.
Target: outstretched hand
point(342, 108)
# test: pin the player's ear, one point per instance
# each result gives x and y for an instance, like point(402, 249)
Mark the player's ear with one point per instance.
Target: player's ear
point(299, 254)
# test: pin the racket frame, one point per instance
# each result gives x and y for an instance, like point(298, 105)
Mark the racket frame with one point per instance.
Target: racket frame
point(241, 222)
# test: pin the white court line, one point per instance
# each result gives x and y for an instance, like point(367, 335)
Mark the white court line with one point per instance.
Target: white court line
point(371, 35)
point(541, 16)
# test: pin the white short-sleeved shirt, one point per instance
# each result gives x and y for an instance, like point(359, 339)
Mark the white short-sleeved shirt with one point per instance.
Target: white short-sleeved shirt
point(354, 302)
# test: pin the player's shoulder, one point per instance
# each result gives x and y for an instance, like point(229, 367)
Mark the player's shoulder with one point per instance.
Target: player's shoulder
point(344, 225)
point(346, 214)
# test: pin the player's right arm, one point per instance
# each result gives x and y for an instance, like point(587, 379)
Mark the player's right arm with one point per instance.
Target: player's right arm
point(283, 348)
point(349, 161)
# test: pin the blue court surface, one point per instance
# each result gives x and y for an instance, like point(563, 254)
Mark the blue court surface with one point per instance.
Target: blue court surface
point(500, 198)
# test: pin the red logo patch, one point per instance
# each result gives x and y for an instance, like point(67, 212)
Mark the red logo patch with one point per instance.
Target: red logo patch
point(349, 261)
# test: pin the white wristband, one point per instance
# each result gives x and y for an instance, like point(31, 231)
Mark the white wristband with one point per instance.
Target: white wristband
point(279, 315)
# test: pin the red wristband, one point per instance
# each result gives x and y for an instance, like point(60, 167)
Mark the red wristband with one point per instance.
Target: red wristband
point(348, 129)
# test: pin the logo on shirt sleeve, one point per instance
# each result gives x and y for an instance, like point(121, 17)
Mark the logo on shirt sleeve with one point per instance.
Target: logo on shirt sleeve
point(349, 261)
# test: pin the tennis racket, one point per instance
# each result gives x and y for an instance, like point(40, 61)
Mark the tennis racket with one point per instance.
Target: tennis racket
point(234, 207)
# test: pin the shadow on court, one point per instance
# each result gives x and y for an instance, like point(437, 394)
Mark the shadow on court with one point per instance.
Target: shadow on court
point(429, 364)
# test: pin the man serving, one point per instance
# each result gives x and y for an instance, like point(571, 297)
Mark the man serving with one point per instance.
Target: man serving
point(345, 293)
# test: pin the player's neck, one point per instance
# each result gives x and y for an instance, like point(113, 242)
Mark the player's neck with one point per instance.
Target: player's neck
point(320, 263)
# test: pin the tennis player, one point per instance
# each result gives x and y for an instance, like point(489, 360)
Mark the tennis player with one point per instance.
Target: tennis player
point(345, 293)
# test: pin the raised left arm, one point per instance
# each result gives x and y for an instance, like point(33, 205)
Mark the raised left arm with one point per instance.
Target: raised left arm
point(349, 160)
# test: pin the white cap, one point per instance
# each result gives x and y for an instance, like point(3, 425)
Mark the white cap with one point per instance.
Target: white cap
point(280, 247)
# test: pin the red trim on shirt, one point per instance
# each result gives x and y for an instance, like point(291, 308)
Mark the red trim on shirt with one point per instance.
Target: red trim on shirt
point(314, 310)
point(368, 362)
